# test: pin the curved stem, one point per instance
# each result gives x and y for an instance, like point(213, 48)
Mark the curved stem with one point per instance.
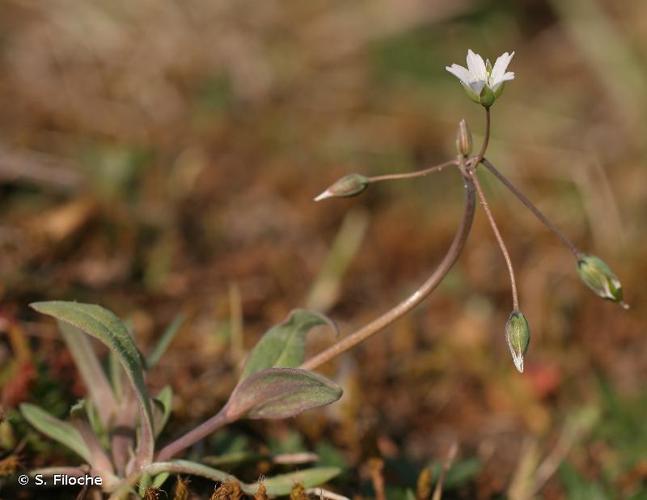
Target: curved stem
point(418, 296)
point(530, 206)
point(207, 427)
point(499, 239)
point(410, 175)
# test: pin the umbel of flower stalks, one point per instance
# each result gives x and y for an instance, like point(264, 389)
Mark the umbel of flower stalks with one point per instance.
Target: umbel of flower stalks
point(600, 278)
point(517, 334)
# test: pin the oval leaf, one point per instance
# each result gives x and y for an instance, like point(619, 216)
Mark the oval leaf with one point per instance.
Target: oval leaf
point(280, 393)
point(56, 429)
point(284, 345)
point(108, 328)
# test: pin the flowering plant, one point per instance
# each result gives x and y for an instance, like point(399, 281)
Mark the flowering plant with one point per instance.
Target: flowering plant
point(115, 430)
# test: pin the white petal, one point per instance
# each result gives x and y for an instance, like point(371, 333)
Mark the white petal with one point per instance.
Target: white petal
point(496, 84)
point(477, 86)
point(498, 71)
point(476, 66)
point(459, 72)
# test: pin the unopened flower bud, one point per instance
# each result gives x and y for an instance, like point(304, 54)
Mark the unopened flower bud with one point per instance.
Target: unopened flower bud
point(600, 278)
point(517, 334)
point(464, 139)
point(349, 185)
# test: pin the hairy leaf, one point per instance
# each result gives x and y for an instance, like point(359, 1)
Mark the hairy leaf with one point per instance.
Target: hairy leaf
point(56, 429)
point(284, 345)
point(108, 328)
point(280, 393)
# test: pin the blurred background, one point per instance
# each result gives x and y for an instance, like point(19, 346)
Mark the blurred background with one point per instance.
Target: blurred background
point(160, 157)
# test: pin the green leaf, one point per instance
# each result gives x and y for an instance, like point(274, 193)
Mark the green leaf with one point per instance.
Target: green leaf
point(160, 479)
point(277, 485)
point(280, 393)
point(90, 370)
point(108, 328)
point(284, 345)
point(92, 416)
point(283, 484)
point(162, 408)
point(56, 429)
point(144, 483)
point(165, 340)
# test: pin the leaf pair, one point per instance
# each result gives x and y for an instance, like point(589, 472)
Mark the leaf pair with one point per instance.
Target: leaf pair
point(271, 386)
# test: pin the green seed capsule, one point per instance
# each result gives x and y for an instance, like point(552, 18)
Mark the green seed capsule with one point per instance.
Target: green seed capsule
point(600, 278)
point(349, 185)
point(517, 334)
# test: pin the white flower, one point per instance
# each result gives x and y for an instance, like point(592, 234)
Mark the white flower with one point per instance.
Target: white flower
point(483, 82)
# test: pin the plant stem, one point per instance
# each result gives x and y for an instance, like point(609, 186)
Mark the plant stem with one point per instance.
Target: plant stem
point(207, 427)
point(486, 139)
point(419, 295)
point(499, 239)
point(410, 175)
point(530, 206)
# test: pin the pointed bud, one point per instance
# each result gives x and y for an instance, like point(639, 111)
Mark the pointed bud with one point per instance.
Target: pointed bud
point(517, 334)
point(464, 139)
point(349, 185)
point(600, 278)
